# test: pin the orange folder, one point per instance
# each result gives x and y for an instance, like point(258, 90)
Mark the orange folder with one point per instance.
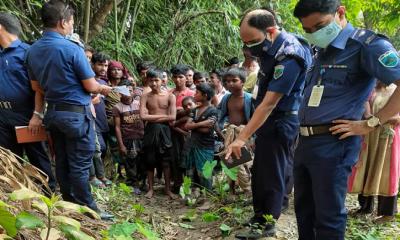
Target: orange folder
point(24, 135)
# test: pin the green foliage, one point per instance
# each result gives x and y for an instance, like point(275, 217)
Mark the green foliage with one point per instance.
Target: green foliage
point(225, 230)
point(185, 189)
point(189, 216)
point(208, 169)
point(146, 231)
point(7, 222)
point(210, 217)
point(269, 219)
point(54, 225)
point(73, 233)
point(28, 220)
point(231, 173)
point(125, 188)
point(124, 229)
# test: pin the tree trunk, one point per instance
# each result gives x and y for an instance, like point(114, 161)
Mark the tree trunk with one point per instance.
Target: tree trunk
point(99, 18)
point(87, 21)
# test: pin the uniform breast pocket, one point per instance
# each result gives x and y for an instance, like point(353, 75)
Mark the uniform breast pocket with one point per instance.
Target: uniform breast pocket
point(335, 77)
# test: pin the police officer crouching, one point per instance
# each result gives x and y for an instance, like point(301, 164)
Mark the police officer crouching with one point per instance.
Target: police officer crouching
point(344, 69)
point(60, 72)
point(284, 61)
point(17, 98)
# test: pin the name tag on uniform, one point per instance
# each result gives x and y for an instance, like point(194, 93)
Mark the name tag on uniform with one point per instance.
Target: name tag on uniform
point(316, 96)
point(255, 91)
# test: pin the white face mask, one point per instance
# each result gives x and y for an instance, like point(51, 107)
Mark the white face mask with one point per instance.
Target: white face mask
point(323, 37)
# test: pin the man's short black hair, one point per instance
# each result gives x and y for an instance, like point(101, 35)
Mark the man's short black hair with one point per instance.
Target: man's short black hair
point(125, 82)
point(145, 65)
point(89, 48)
point(236, 72)
point(206, 89)
point(200, 75)
point(154, 73)
point(180, 69)
point(10, 23)
point(54, 11)
point(261, 20)
point(306, 7)
point(218, 72)
point(233, 61)
point(100, 57)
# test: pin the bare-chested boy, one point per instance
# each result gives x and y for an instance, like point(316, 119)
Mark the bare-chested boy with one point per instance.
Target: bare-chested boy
point(159, 110)
point(236, 109)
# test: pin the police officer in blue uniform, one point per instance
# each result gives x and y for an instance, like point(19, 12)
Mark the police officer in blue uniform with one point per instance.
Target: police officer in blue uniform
point(59, 69)
point(346, 63)
point(17, 98)
point(278, 94)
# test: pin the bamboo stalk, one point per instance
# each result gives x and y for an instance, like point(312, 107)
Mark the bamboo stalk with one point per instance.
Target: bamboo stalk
point(124, 19)
point(87, 21)
point(116, 29)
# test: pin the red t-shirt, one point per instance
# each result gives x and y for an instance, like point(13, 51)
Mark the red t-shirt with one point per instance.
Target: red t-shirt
point(181, 95)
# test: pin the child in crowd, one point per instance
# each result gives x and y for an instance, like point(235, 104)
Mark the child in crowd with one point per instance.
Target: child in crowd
point(159, 110)
point(200, 77)
point(179, 76)
point(129, 130)
point(202, 133)
point(100, 65)
point(236, 109)
point(216, 83)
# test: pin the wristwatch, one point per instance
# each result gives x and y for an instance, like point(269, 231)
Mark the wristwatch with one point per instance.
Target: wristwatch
point(373, 121)
point(40, 115)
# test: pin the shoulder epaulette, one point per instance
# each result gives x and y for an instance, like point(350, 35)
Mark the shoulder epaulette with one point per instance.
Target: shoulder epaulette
point(366, 36)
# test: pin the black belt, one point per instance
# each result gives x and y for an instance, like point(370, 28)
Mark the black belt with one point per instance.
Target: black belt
point(307, 131)
point(284, 113)
point(66, 107)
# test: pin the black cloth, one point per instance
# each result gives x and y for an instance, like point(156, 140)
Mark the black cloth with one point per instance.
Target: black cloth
point(204, 140)
point(157, 143)
point(387, 206)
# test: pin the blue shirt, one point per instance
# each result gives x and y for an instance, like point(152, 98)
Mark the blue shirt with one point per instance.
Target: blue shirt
point(248, 109)
point(348, 69)
point(15, 85)
point(59, 65)
point(283, 69)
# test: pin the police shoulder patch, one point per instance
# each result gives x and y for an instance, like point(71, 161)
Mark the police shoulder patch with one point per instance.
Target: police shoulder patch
point(278, 72)
point(389, 59)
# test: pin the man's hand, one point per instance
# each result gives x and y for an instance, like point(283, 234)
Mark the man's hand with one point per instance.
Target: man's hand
point(123, 150)
point(235, 148)
point(34, 124)
point(96, 99)
point(105, 90)
point(349, 128)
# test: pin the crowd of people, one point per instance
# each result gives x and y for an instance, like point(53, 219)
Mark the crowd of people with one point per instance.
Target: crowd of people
point(302, 109)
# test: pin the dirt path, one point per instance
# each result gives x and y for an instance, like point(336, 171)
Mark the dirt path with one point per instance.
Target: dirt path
point(169, 218)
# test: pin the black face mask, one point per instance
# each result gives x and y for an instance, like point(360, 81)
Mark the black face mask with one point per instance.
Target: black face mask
point(257, 49)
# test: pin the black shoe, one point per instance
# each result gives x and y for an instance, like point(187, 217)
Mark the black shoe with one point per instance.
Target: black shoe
point(255, 222)
point(105, 216)
point(258, 233)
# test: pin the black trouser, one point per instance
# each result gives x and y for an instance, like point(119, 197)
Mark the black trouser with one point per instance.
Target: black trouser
point(34, 151)
point(176, 164)
point(274, 150)
point(387, 206)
